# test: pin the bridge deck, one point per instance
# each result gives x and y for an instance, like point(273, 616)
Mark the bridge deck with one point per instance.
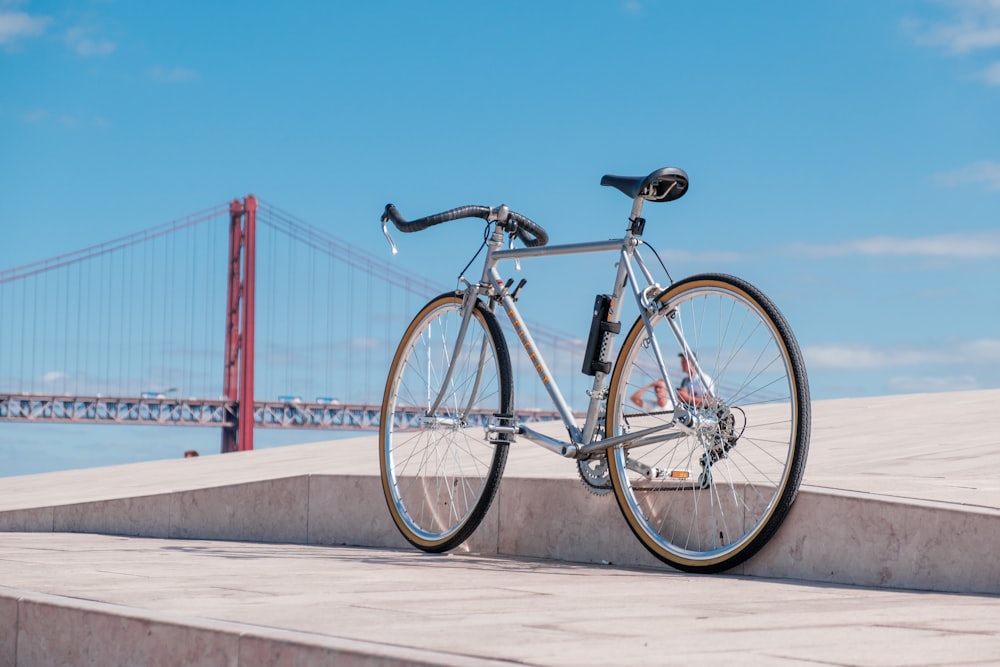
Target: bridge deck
point(165, 411)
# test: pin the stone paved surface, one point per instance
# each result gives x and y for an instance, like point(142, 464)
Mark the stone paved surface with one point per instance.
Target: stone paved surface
point(447, 609)
point(70, 598)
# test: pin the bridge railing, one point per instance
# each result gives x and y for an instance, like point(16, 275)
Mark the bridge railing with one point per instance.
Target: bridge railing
point(40, 408)
point(162, 410)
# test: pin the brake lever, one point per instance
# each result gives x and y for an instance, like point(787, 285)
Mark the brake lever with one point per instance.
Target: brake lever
point(510, 246)
point(385, 230)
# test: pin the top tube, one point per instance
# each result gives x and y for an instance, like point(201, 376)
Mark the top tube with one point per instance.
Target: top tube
point(562, 249)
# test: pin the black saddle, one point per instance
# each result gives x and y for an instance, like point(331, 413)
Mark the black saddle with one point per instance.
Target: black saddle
point(666, 184)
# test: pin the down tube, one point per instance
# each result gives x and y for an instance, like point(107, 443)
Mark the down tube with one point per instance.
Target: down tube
point(537, 360)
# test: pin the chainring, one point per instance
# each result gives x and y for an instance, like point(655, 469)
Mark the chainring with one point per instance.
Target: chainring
point(594, 474)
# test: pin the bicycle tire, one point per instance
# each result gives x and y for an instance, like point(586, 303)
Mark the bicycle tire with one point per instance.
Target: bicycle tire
point(440, 472)
point(710, 498)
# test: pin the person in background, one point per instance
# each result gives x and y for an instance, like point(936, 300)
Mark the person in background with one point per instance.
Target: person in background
point(694, 390)
point(660, 401)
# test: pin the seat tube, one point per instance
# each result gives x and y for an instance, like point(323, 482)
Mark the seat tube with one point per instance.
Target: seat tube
point(597, 392)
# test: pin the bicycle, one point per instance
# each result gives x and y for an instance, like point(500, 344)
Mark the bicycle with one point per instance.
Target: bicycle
point(704, 475)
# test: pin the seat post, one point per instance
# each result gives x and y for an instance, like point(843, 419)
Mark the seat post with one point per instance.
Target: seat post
point(636, 208)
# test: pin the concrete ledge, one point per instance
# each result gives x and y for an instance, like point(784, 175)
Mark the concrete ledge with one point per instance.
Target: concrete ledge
point(900, 491)
point(42, 629)
point(862, 539)
point(830, 536)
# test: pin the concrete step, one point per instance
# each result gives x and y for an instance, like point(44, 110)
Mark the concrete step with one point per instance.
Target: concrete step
point(86, 599)
point(900, 492)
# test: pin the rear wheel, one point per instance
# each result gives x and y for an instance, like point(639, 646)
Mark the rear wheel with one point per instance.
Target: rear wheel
point(439, 469)
point(707, 497)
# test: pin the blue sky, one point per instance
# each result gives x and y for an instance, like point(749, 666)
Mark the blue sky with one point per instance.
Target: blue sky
point(844, 156)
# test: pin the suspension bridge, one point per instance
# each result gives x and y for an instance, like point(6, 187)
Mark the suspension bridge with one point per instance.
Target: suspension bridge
point(237, 317)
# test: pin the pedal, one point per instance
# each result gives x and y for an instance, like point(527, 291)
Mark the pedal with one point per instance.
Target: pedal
point(502, 429)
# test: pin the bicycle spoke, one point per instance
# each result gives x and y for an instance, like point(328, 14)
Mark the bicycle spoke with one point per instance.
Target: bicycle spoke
point(440, 472)
point(717, 491)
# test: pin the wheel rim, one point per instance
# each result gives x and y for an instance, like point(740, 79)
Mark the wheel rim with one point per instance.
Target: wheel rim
point(436, 470)
point(747, 430)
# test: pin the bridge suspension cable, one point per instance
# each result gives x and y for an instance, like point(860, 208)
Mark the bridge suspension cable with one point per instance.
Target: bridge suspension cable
point(132, 329)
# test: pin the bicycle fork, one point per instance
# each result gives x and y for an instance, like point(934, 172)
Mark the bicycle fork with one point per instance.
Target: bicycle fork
point(468, 305)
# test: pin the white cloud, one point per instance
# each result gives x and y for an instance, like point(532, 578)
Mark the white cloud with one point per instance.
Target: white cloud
point(81, 40)
point(53, 376)
point(973, 25)
point(47, 117)
point(363, 343)
point(842, 356)
point(933, 383)
point(710, 256)
point(991, 75)
point(16, 25)
point(966, 246)
point(37, 116)
point(965, 36)
point(985, 172)
point(172, 74)
point(985, 350)
point(864, 356)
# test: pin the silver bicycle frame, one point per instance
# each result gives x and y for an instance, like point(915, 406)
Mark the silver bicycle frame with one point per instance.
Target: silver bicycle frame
point(491, 285)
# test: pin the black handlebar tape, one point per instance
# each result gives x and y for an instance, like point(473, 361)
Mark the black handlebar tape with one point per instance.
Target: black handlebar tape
point(529, 231)
point(392, 213)
point(539, 236)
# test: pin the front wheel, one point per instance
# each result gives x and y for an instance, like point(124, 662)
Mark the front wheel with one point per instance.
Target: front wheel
point(707, 495)
point(440, 471)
